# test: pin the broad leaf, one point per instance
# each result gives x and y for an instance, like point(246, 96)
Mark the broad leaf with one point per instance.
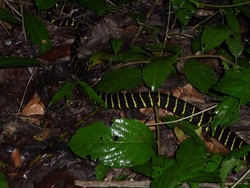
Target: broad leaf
point(201, 76)
point(236, 83)
point(8, 16)
point(126, 143)
point(212, 37)
point(235, 46)
point(100, 171)
point(122, 79)
point(11, 62)
point(155, 73)
point(37, 32)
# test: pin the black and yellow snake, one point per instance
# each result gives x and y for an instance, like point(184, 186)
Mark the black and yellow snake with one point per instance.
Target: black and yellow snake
point(147, 99)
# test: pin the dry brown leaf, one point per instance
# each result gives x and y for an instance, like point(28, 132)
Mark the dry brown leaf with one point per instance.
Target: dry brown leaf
point(188, 93)
point(34, 106)
point(16, 158)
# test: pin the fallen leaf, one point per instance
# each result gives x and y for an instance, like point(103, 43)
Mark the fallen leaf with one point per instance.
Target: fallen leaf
point(16, 158)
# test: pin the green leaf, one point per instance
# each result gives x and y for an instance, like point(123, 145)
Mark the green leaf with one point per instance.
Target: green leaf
point(98, 6)
point(3, 181)
point(11, 62)
point(126, 143)
point(37, 32)
point(100, 171)
point(155, 73)
point(239, 153)
point(91, 93)
point(145, 169)
point(184, 171)
point(187, 149)
point(183, 10)
point(45, 4)
point(160, 164)
point(122, 79)
point(236, 83)
point(184, 16)
point(226, 112)
point(233, 22)
point(212, 37)
point(8, 16)
point(201, 76)
point(235, 46)
point(226, 168)
point(134, 54)
point(116, 45)
point(64, 92)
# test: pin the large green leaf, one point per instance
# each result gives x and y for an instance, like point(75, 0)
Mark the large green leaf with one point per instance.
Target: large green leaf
point(236, 83)
point(122, 79)
point(212, 37)
point(8, 16)
point(201, 76)
point(155, 73)
point(37, 32)
point(126, 143)
point(11, 62)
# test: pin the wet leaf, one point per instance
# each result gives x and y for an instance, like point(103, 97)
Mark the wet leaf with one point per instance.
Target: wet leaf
point(125, 144)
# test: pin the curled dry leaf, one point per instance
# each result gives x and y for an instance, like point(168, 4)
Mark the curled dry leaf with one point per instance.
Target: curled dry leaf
point(34, 106)
point(16, 158)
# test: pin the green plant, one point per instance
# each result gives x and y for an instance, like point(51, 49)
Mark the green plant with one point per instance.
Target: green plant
point(231, 89)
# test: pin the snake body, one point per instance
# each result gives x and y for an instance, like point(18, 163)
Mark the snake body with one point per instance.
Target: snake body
point(148, 99)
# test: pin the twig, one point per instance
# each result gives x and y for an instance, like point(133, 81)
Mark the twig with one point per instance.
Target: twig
point(141, 26)
point(144, 184)
point(241, 178)
point(181, 119)
point(25, 91)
